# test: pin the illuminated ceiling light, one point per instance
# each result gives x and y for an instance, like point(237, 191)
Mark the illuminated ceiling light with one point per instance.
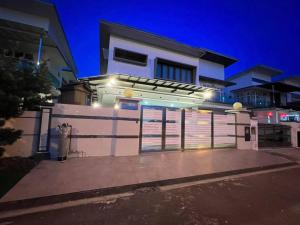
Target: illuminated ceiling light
point(116, 107)
point(96, 104)
point(111, 82)
point(207, 94)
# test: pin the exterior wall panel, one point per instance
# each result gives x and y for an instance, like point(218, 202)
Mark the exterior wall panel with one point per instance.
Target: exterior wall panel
point(197, 130)
point(29, 122)
point(224, 131)
point(204, 67)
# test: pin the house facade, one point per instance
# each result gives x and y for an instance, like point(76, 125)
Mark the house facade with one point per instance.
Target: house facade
point(31, 32)
point(155, 94)
point(172, 84)
point(145, 56)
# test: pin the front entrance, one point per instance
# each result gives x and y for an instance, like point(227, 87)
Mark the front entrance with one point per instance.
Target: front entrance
point(160, 128)
point(164, 128)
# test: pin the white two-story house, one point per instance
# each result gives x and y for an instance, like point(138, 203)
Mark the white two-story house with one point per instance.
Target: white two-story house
point(173, 83)
point(158, 70)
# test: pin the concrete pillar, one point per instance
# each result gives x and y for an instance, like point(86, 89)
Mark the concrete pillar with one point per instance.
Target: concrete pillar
point(43, 145)
point(254, 134)
point(243, 125)
point(295, 128)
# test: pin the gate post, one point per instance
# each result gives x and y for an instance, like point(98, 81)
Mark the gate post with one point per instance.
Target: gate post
point(243, 125)
point(44, 131)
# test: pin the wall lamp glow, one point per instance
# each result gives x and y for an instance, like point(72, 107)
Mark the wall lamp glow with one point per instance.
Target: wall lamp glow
point(117, 106)
point(111, 82)
point(96, 105)
point(207, 94)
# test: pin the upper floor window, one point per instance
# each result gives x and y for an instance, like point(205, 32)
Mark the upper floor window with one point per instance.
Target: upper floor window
point(130, 57)
point(169, 70)
point(16, 54)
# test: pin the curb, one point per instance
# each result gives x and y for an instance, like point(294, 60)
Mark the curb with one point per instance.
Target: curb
point(42, 201)
point(291, 158)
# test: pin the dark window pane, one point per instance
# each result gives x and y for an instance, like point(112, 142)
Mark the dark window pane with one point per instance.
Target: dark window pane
point(183, 75)
point(158, 70)
point(19, 54)
point(164, 71)
point(171, 73)
point(177, 74)
point(189, 76)
point(28, 56)
point(8, 53)
point(130, 57)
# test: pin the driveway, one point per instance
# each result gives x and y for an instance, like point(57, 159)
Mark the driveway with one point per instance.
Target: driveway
point(52, 178)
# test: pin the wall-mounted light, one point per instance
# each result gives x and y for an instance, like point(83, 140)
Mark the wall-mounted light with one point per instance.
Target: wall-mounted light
point(111, 82)
point(117, 106)
point(96, 104)
point(207, 94)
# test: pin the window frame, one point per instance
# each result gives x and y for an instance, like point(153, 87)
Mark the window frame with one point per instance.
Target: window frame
point(116, 58)
point(177, 66)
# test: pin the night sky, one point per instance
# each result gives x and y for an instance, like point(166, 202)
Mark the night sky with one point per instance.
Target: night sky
point(252, 31)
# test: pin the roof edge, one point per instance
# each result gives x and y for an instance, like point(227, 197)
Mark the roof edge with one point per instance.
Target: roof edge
point(163, 42)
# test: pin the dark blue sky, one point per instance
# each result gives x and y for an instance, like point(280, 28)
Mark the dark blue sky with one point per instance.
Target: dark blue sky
point(253, 31)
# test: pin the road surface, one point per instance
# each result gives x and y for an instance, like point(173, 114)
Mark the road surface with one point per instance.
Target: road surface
point(265, 199)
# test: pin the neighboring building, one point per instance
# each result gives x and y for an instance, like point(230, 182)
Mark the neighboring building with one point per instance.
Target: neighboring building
point(31, 31)
point(293, 99)
point(255, 89)
point(270, 103)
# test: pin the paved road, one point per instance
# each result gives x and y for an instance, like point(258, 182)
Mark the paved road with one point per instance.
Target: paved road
point(266, 199)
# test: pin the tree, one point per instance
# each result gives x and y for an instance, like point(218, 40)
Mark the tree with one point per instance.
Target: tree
point(23, 86)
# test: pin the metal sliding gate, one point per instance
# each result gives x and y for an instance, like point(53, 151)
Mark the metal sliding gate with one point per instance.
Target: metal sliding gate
point(160, 128)
point(164, 128)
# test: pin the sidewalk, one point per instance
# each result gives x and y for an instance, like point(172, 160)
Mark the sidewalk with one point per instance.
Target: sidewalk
point(105, 175)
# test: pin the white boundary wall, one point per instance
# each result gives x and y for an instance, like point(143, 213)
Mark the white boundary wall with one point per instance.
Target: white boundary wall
point(26, 146)
point(97, 131)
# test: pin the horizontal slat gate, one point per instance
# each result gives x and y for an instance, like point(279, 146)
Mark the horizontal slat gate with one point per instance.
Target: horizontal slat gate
point(224, 130)
point(170, 129)
point(173, 129)
point(197, 129)
point(152, 129)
